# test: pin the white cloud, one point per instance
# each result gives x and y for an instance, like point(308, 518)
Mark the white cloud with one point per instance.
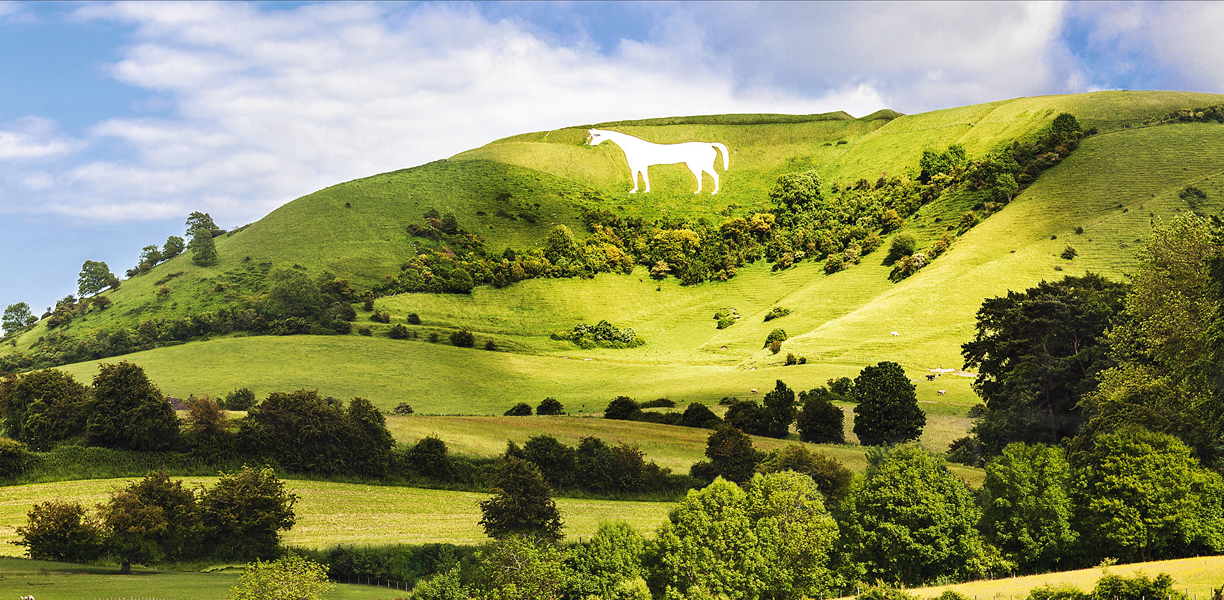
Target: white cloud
point(270, 105)
point(33, 137)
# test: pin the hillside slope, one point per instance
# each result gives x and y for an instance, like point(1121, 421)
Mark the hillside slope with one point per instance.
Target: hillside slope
point(1117, 186)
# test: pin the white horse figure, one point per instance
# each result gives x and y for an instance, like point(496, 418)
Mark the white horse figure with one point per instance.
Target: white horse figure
point(698, 156)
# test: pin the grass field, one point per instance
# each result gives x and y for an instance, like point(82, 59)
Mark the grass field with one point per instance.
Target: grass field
point(1196, 576)
point(339, 513)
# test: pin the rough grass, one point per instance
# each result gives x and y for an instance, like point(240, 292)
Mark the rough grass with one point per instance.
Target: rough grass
point(67, 581)
point(1196, 576)
point(340, 513)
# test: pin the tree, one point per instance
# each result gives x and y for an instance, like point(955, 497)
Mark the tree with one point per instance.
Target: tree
point(523, 568)
point(291, 293)
point(731, 453)
point(550, 406)
point(796, 192)
point(561, 244)
point(307, 433)
point(820, 422)
point(172, 248)
point(16, 316)
point(210, 432)
point(747, 416)
point(700, 416)
point(429, 458)
point(779, 411)
point(887, 411)
point(522, 503)
point(832, 478)
point(150, 255)
point(522, 409)
point(43, 407)
point(902, 245)
point(128, 411)
point(369, 444)
point(203, 249)
point(94, 277)
point(555, 460)
point(61, 531)
point(612, 557)
point(240, 399)
point(1142, 496)
point(198, 220)
point(1026, 507)
point(289, 578)
point(622, 408)
point(245, 512)
point(909, 520)
point(152, 519)
point(1037, 353)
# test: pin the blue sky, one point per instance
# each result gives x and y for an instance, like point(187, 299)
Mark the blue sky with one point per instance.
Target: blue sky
point(117, 120)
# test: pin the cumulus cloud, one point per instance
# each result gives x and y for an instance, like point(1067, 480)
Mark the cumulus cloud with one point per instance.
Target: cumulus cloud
point(33, 137)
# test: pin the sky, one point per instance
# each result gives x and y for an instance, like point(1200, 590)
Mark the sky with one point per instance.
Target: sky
point(117, 120)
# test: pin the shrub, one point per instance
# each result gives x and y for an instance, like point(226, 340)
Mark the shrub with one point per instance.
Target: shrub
point(13, 457)
point(819, 421)
point(777, 335)
point(831, 477)
point(414, 319)
point(490, 345)
point(522, 504)
point(1069, 252)
point(289, 577)
point(239, 399)
point(842, 387)
point(522, 409)
point(884, 592)
point(731, 454)
point(777, 312)
point(399, 332)
point(834, 264)
point(699, 416)
point(429, 457)
point(967, 450)
point(245, 512)
point(381, 317)
point(659, 403)
point(622, 408)
point(368, 305)
point(463, 338)
point(366, 331)
point(550, 406)
point(63, 531)
point(903, 244)
point(726, 322)
point(403, 408)
point(433, 337)
point(791, 359)
point(775, 346)
point(1079, 230)
point(163, 292)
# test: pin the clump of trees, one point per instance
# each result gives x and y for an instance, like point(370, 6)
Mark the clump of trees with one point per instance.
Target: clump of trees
point(603, 334)
point(155, 519)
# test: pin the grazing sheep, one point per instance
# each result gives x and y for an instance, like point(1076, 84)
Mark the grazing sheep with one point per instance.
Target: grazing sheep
point(754, 390)
point(895, 334)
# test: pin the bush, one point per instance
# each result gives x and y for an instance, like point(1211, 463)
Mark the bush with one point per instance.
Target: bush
point(62, 531)
point(1069, 252)
point(659, 403)
point(903, 244)
point(831, 477)
point(777, 335)
point(381, 317)
point(414, 319)
point(726, 322)
point(368, 305)
point(366, 331)
point(884, 592)
point(777, 312)
point(490, 345)
point(820, 422)
point(699, 416)
point(399, 332)
point(433, 337)
point(834, 264)
point(622, 408)
point(967, 450)
point(291, 577)
point(245, 513)
point(463, 338)
point(13, 458)
point(775, 347)
point(550, 406)
point(790, 358)
point(403, 408)
point(522, 409)
point(429, 458)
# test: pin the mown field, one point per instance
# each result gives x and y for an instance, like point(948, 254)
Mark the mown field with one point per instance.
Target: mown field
point(1197, 577)
point(340, 513)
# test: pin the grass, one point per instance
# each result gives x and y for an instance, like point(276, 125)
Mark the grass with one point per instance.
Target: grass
point(67, 581)
point(1196, 576)
point(340, 513)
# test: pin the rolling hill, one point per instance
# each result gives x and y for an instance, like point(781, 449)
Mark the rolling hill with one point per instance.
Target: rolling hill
point(1116, 186)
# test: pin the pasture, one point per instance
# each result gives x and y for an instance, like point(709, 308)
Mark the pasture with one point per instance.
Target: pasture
point(1197, 577)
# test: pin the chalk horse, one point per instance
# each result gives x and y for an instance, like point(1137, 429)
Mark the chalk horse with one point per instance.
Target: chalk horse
point(698, 156)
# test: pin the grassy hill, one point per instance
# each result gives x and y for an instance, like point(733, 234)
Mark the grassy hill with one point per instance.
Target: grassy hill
point(1117, 186)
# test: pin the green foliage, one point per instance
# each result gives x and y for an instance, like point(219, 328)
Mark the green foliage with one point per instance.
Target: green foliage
point(612, 558)
point(1027, 507)
point(779, 410)
point(1037, 352)
point(522, 409)
point(521, 505)
point(43, 407)
point(402, 409)
point(152, 519)
point(245, 512)
point(288, 578)
point(776, 313)
point(602, 334)
point(519, 567)
point(128, 411)
point(832, 478)
point(950, 163)
point(842, 387)
point(444, 585)
point(731, 454)
point(1137, 587)
point(429, 457)
point(622, 408)
point(747, 416)
point(555, 460)
point(203, 249)
point(1143, 496)
point(887, 411)
point(173, 247)
point(902, 245)
point(240, 399)
point(700, 416)
point(16, 316)
point(909, 520)
point(292, 293)
point(1064, 591)
point(819, 421)
point(94, 277)
point(777, 335)
point(13, 458)
point(209, 433)
point(550, 406)
point(885, 592)
point(306, 433)
point(462, 338)
point(1069, 252)
point(796, 192)
point(61, 530)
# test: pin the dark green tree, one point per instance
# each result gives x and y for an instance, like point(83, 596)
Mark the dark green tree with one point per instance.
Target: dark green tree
point(779, 410)
point(369, 444)
point(550, 406)
point(747, 416)
point(43, 407)
point(173, 247)
point(909, 520)
point(150, 255)
point(127, 411)
point(198, 220)
point(203, 249)
point(16, 316)
point(94, 277)
point(62, 531)
point(152, 519)
point(1037, 353)
point(795, 193)
point(522, 503)
point(240, 399)
point(555, 460)
point(291, 293)
point(429, 457)
point(1143, 496)
point(307, 433)
point(522, 409)
point(1027, 507)
point(820, 422)
point(887, 411)
point(622, 408)
point(831, 477)
point(731, 453)
point(700, 416)
point(245, 513)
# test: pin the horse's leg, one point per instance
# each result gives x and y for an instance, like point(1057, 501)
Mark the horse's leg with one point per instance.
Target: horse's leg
point(646, 177)
point(633, 172)
point(696, 170)
point(714, 174)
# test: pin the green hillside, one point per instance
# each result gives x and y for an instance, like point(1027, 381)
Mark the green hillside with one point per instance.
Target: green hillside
point(1117, 185)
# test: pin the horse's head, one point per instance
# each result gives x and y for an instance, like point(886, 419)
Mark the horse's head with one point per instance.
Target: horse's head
point(596, 137)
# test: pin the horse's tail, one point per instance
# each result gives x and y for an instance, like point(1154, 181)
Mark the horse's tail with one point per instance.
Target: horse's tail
point(726, 155)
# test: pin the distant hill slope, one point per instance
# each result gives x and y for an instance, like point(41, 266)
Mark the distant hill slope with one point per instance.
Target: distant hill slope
point(1117, 186)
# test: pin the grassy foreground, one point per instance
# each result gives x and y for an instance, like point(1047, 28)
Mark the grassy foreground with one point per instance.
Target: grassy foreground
point(339, 513)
